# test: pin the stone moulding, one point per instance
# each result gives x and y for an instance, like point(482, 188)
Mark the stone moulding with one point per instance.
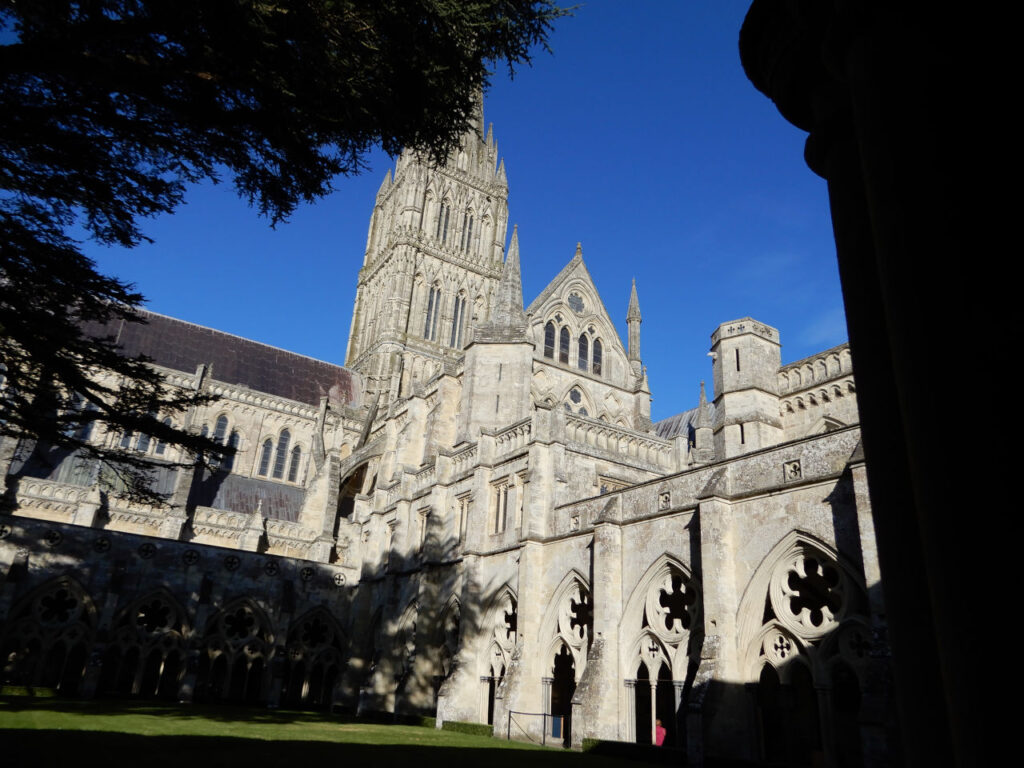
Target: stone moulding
point(239, 527)
point(292, 539)
point(59, 500)
point(619, 442)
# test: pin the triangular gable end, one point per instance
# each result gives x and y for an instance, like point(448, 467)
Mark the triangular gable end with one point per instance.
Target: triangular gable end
point(576, 269)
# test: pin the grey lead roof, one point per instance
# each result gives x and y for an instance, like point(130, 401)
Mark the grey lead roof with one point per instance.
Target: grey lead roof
point(182, 346)
point(680, 424)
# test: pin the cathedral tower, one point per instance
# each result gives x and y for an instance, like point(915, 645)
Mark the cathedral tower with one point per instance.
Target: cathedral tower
point(433, 258)
point(746, 359)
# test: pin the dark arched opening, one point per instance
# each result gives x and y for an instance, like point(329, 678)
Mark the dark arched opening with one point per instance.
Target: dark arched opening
point(563, 686)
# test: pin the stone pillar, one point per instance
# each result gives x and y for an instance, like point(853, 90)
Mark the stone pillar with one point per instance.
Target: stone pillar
point(630, 710)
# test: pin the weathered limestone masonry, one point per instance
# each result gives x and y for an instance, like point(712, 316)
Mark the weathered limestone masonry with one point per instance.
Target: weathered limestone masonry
point(476, 518)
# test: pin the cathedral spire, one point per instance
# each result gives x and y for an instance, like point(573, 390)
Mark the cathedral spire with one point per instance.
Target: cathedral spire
point(633, 324)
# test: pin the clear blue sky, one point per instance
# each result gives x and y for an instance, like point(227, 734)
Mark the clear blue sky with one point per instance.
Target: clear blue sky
point(639, 136)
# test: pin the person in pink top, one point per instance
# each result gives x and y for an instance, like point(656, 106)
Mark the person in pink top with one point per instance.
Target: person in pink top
point(659, 733)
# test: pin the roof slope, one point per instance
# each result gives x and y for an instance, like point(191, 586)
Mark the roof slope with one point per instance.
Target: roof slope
point(182, 346)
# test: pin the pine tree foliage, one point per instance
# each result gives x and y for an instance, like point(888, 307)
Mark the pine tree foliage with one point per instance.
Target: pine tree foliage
point(110, 108)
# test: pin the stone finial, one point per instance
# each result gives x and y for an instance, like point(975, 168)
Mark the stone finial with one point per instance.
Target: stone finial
point(579, 251)
point(633, 313)
point(502, 178)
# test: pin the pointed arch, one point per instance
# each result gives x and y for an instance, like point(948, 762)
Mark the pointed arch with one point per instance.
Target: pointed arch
point(317, 647)
point(666, 603)
point(569, 618)
point(773, 597)
point(48, 635)
point(235, 651)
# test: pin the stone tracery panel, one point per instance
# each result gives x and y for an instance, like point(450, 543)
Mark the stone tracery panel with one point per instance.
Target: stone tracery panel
point(48, 637)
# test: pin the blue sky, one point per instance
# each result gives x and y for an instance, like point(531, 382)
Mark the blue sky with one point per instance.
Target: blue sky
point(639, 136)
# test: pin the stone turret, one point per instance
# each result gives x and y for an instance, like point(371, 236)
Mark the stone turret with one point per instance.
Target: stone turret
point(747, 356)
point(499, 358)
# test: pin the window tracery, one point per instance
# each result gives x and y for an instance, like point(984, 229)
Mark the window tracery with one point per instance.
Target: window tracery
point(47, 638)
point(234, 653)
point(315, 657)
point(146, 655)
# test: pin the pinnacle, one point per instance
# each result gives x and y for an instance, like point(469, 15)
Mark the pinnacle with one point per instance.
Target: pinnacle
point(507, 309)
point(633, 313)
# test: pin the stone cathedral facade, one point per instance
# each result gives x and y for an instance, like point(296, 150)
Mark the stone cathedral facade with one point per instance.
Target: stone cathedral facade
point(474, 518)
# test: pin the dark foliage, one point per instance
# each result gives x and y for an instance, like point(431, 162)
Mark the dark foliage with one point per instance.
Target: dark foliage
point(109, 108)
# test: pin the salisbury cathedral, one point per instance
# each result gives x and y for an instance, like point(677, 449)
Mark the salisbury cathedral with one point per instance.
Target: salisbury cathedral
point(475, 518)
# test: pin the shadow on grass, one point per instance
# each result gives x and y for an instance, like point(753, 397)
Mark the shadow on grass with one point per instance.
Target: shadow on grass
point(59, 749)
point(215, 712)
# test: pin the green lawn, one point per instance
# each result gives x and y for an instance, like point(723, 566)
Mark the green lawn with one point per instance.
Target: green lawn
point(72, 734)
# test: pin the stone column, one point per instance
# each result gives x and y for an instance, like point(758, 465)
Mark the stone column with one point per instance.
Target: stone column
point(630, 710)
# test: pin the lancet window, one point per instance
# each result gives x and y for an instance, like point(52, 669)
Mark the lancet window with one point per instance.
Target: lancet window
point(293, 467)
point(467, 231)
point(265, 456)
point(282, 454)
point(458, 321)
point(433, 311)
point(444, 214)
point(563, 345)
point(549, 340)
point(598, 357)
point(583, 359)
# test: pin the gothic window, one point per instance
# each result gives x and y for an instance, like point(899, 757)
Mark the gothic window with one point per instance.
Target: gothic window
point(234, 655)
point(467, 230)
point(315, 660)
point(584, 357)
point(268, 451)
point(462, 508)
point(142, 446)
point(598, 357)
point(146, 653)
point(444, 214)
point(47, 638)
point(229, 460)
point(293, 468)
point(563, 345)
point(458, 321)
point(499, 517)
point(424, 518)
point(220, 429)
point(161, 446)
point(576, 303)
point(126, 440)
point(282, 454)
point(549, 340)
point(433, 311)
